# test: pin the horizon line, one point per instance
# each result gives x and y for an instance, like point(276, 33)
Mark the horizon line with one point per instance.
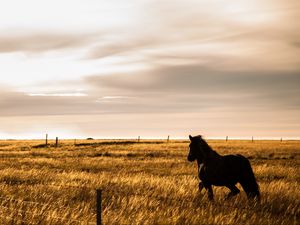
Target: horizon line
point(246, 138)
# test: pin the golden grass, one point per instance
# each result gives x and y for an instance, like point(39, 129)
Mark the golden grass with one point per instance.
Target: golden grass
point(150, 182)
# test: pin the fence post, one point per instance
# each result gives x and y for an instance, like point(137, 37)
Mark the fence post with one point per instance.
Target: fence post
point(168, 139)
point(99, 199)
point(75, 141)
point(252, 139)
point(46, 140)
point(226, 138)
point(56, 142)
point(139, 139)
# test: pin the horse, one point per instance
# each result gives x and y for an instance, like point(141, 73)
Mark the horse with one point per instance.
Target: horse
point(218, 170)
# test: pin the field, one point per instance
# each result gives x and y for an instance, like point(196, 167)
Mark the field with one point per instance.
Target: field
point(146, 182)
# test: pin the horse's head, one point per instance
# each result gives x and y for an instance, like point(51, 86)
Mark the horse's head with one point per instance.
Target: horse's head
point(195, 148)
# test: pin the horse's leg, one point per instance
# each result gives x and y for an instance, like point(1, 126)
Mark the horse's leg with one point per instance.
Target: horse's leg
point(201, 186)
point(200, 168)
point(210, 192)
point(233, 191)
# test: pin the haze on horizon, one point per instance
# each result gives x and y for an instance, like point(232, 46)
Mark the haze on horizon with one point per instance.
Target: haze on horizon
point(151, 68)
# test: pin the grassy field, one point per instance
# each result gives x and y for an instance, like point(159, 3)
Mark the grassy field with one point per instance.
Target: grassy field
point(150, 182)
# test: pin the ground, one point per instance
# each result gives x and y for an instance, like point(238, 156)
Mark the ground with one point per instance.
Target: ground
point(146, 182)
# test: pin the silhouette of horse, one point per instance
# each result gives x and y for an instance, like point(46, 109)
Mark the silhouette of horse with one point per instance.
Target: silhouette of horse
point(218, 170)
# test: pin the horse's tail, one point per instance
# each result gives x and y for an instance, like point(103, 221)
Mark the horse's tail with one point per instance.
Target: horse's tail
point(248, 181)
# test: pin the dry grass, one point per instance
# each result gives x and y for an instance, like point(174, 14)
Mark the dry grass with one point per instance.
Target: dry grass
point(150, 182)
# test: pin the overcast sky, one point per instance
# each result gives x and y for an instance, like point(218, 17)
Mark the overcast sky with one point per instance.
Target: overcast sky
point(124, 68)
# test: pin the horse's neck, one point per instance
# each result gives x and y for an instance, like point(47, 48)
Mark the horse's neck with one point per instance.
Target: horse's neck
point(214, 154)
point(212, 157)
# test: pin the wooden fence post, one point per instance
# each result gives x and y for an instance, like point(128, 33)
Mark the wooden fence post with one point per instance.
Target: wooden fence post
point(226, 138)
point(99, 199)
point(168, 139)
point(46, 140)
point(139, 138)
point(56, 142)
point(252, 139)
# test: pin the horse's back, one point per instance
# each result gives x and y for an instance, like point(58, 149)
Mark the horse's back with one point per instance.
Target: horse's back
point(235, 156)
point(234, 162)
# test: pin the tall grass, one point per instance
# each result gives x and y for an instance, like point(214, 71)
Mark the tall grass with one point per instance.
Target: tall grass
point(149, 182)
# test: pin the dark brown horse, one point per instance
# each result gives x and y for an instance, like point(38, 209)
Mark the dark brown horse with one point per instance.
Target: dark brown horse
point(220, 170)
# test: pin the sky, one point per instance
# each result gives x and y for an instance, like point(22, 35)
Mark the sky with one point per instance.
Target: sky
point(149, 68)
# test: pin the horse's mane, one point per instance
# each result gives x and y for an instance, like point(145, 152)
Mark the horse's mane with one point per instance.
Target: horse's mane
point(209, 151)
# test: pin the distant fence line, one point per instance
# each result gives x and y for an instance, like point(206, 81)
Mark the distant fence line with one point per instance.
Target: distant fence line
point(89, 139)
point(139, 139)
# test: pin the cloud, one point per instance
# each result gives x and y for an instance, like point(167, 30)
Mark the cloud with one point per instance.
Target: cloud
point(256, 35)
point(74, 94)
point(36, 42)
point(193, 87)
point(121, 45)
point(165, 90)
point(15, 103)
point(191, 78)
point(182, 33)
point(156, 59)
